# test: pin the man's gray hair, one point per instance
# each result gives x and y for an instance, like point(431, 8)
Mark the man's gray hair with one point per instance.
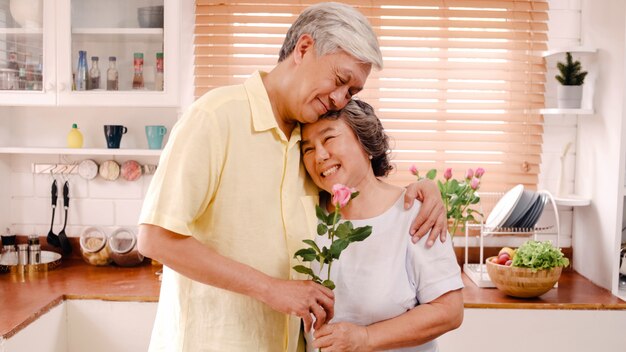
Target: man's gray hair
point(334, 27)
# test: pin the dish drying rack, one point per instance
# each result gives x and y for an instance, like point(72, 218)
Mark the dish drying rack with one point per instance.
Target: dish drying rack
point(477, 272)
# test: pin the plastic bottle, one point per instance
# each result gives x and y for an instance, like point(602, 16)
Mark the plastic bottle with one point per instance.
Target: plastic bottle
point(112, 75)
point(74, 138)
point(94, 74)
point(82, 74)
point(138, 66)
point(158, 79)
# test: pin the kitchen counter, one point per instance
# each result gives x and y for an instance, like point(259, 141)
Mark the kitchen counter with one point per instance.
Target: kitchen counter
point(25, 298)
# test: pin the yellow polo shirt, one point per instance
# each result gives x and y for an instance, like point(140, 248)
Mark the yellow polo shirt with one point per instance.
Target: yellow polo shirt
point(230, 178)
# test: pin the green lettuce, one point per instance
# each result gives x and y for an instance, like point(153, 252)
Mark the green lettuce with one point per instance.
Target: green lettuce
point(539, 255)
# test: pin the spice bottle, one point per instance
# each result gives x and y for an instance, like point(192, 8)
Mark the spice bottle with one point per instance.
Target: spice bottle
point(93, 247)
point(82, 75)
point(158, 78)
point(34, 249)
point(74, 138)
point(22, 254)
point(123, 246)
point(94, 74)
point(138, 68)
point(112, 74)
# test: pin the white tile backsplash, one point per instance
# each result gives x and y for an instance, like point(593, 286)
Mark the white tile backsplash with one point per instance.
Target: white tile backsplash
point(127, 212)
point(118, 189)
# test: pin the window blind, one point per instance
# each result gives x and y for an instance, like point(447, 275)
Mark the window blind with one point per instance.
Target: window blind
point(462, 85)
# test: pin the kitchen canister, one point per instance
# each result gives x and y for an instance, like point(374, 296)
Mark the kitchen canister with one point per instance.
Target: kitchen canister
point(93, 247)
point(123, 248)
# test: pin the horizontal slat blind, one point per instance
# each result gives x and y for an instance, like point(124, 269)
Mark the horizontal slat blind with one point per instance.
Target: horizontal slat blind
point(461, 87)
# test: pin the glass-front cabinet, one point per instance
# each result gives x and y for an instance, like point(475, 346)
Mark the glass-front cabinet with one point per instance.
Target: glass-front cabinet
point(89, 52)
point(27, 60)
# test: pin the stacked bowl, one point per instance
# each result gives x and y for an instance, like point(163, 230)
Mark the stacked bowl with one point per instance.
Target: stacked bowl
point(150, 17)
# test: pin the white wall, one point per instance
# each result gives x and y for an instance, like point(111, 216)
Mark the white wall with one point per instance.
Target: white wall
point(597, 228)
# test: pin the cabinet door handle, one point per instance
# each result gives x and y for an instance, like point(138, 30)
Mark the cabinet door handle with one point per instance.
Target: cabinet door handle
point(50, 86)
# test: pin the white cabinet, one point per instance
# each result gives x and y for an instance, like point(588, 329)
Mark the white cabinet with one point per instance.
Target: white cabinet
point(103, 29)
point(522, 330)
point(87, 325)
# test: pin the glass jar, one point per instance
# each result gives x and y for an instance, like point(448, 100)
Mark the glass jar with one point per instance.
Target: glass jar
point(123, 248)
point(8, 79)
point(93, 247)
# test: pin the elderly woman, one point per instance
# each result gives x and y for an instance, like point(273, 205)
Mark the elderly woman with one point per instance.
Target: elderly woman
point(391, 294)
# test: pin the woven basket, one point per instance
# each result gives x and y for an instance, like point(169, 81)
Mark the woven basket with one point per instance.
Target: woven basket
point(522, 282)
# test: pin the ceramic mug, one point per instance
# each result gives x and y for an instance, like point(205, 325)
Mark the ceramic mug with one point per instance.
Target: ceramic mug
point(155, 134)
point(113, 135)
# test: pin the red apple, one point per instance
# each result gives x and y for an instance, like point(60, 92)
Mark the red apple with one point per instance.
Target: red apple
point(503, 258)
point(508, 262)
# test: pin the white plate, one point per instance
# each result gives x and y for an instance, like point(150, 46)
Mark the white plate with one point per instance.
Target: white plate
point(524, 204)
point(504, 207)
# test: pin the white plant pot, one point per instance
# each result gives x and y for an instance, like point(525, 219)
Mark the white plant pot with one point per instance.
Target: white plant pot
point(28, 13)
point(569, 97)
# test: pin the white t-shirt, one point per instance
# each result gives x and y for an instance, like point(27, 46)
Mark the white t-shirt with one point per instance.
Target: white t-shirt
point(386, 274)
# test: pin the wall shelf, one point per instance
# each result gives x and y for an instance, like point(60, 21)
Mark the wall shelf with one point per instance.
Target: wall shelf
point(557, 111)
point(572, 200)
point(575, 49)
point(81, 151)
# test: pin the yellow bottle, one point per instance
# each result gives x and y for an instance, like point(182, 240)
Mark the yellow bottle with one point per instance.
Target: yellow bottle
point(74, 138)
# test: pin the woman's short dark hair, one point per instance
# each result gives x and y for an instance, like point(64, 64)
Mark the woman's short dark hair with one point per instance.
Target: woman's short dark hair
point(362, 119)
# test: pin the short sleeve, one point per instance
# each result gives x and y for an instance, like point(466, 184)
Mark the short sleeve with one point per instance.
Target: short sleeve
point(434, 271)
point(188, 173)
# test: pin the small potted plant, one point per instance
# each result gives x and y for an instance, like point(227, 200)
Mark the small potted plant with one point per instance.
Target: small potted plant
point(571, 77)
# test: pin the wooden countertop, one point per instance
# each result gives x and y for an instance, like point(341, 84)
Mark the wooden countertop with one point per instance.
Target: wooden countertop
point(25, 298)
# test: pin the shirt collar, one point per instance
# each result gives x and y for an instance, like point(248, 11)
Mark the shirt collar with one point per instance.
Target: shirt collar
point(263, 118)
point(262, 114)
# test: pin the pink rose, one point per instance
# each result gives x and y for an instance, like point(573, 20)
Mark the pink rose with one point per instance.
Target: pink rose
point(447, 174)
point(341, 195)
point(475, 183)
point(469, 174)
point(413, 169)
point(479, 172)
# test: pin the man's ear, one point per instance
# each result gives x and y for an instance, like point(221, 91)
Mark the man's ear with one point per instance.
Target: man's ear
point(305, 44)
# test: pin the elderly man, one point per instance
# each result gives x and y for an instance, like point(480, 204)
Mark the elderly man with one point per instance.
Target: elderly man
point(230, 202)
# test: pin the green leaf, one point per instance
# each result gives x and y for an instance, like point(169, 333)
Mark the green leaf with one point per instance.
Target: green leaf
point(312, 244)
point(360, 234)
point(307, 254)
point(304, 270)
point(331, 217)
point(431, 174)
point(326, 256)
point(354, 195)
point(322, 229)
point(329, 283)
point(321, 215)
point(337, 247)
point(343, 230)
